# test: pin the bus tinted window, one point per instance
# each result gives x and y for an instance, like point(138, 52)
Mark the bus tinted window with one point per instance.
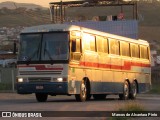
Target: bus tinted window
point(125, 51)
point(144, 52)
point(76, 49)
point(113, 46)
point(89, 42)
point(102, 45)
point(76, 45)
point(135, 50)
point(105, 44)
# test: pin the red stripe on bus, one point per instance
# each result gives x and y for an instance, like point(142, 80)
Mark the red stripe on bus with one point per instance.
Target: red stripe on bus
point(127, 65)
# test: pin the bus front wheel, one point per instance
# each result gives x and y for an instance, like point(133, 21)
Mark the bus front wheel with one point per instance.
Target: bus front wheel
point(125, 94)
point(41, 97)
point(83, 92)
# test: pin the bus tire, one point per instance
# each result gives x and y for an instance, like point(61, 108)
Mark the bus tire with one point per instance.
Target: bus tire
point(83, 92)
point(125, 94)
point(99, 96)
point(41, 97)
point(133, 92)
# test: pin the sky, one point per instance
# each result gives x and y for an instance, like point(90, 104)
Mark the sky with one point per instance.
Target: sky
point(44, 3)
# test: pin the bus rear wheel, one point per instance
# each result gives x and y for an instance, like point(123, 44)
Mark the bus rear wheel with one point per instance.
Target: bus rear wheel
point(83, 92)
point(133, 93)
point(41, 97)
point(125, 94)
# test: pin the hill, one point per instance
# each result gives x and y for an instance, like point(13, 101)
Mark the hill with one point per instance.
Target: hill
point(147, 13)
point(13, 5)
point(23, 15)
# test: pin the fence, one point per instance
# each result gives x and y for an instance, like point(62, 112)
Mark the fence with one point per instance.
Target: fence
point(8, 79)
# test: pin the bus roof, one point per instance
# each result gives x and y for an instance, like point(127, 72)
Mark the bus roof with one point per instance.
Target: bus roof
point(50, 28)
point(67, 27)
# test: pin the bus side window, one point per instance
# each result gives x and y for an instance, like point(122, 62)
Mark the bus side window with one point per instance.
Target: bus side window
point(135, 52)
point(99, 44)
point(73, 48)
point(102, 45)
point(76, 49)
point(144, 52)
point(114, 46)
point(125, 51)
point(76, 45)
point(89, 42)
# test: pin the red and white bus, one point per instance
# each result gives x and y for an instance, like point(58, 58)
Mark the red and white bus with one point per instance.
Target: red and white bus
point(64, 59)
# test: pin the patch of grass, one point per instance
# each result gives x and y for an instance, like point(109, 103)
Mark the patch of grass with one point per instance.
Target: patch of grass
point(129, 107)
point(6, 86)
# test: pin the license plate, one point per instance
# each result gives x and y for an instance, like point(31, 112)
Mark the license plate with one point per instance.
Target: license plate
point(39, 87)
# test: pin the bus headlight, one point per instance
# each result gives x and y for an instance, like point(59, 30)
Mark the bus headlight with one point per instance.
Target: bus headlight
point(60, 79)
point(20, 79)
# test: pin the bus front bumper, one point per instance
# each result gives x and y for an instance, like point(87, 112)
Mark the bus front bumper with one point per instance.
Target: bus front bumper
point(58, 88)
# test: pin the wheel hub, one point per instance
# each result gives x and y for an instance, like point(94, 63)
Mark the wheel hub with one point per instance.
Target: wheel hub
point(83, 89)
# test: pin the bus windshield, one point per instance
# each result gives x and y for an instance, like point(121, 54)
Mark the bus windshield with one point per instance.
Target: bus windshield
point(43, 47)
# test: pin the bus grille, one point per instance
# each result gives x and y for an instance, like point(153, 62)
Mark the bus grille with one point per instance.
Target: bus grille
point(38, 79)
point(39, 72)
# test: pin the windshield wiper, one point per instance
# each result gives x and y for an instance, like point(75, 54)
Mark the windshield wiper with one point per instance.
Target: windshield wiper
point(34, 53)
point(48, 53)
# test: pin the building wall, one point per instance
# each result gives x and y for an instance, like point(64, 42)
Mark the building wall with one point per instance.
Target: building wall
point(126, 28)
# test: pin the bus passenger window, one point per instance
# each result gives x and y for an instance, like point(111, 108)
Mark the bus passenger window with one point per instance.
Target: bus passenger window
point(102, 45)
point(92, 44)
point(113, 46)
point(76, 45)
point(135, 50)
point(89, 42)
point(105, 44)
point(76, 49)
point(99, 41)
point(124, 48)
point(144, 52)
point(73, 48)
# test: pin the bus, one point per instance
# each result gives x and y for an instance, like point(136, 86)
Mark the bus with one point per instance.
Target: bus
point(61, 59)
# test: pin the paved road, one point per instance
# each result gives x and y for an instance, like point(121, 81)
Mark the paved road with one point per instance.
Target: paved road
point(15, 102)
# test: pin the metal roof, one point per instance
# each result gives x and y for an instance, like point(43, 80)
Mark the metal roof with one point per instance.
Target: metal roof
point(75, 3)
point(50, 28)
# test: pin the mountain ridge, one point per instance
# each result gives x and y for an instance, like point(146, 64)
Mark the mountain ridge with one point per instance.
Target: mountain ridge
point(14, 5)
point(149, 25)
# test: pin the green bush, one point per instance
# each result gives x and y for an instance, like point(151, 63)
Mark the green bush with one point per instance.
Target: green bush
point(5, 86)
point(155, 89)
point(132, 107)
point(129, 107)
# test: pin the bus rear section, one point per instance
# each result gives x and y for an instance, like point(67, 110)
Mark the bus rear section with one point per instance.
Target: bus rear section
point(102, 64)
